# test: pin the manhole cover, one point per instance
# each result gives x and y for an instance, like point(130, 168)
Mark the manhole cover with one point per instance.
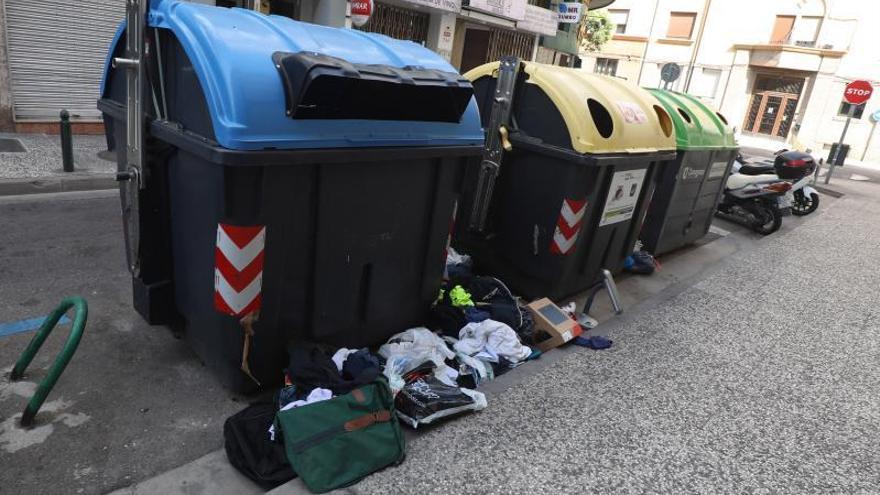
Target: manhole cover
point(11, 145)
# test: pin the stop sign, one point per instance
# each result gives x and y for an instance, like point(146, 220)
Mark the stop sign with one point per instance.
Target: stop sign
point(857, 92)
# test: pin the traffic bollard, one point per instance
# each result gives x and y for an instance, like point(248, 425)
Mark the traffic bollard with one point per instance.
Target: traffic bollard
point(66, 142)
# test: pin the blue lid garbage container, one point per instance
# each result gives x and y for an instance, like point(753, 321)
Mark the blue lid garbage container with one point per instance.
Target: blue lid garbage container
point(572, 191)
point(303, 175)
point(689, 187)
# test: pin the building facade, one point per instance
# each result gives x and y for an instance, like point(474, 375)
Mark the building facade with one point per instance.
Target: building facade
point(776, 69)
point(52, 52)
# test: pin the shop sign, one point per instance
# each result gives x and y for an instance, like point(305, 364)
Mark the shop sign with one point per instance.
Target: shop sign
point(509, 9)
point(539, 20)
point(361, 10)
point(447, 5)
point(569, 12)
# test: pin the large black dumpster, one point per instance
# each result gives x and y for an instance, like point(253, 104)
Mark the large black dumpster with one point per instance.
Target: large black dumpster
point(573, 190)
point(689, 188)
point(306, 172)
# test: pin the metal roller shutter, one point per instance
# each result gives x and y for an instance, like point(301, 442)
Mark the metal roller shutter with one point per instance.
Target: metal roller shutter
point(57, 50)
point(398, 22)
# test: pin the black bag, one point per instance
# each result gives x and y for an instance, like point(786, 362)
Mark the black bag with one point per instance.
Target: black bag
point(488, 294)
point(643, 263)
point(250, 450)
point(425, 399)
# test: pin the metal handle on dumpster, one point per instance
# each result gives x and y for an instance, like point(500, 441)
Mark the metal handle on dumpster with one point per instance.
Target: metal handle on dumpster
point(496, 141)
point(79, 324)
point(133, 63)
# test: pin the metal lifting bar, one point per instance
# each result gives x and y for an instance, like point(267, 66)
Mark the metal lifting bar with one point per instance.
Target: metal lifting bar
point(496, 141)
point(132, 177)
point(161, 74)
point(133, 63)
point(610, 287)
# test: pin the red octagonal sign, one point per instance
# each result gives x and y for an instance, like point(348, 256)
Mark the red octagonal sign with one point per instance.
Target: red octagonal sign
point(857, 92)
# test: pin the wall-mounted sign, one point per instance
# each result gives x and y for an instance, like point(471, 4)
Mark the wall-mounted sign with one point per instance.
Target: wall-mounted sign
point(446, 36)
point(539, 20)
point(447, 5)
point(569, 12)
point(670, 72)
point(361, 10)
point(510, 9)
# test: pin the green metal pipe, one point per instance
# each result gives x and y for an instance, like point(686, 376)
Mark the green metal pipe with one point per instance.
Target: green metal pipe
point(79, 324)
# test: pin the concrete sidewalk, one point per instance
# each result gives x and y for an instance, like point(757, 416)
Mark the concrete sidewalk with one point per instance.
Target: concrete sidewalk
point(38, 169)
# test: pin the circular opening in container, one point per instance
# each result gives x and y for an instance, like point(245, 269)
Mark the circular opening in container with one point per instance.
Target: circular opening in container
point(685, 116)
point(665, 121)
point(722, 118)
point(601, 118)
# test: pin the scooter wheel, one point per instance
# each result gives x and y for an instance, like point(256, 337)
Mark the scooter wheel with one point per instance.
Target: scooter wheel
point(770, 222)
point(803, 204)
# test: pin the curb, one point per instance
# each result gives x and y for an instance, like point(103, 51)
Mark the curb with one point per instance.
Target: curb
point(92, 182)
point(828, 191)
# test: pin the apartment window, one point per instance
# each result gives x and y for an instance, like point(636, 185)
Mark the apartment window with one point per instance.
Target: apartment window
point(620, 18)
point(681, 25)
point(843, 111)
point(782, 29)
point(706, 83)
point(806, 30)
point(607, 66)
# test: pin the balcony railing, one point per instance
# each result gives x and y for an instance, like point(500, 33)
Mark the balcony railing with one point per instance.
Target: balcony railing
point(801, 43)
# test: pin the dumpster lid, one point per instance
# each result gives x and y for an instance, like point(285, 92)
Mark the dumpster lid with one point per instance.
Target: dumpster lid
point(603, 114)
point(247, 93)
point(696, 125)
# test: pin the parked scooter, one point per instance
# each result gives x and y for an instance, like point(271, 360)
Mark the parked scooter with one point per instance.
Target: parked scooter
point(795, 166)
point(758, 202)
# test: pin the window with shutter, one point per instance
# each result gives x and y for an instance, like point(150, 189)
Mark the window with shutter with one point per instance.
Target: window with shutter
point(681, 25)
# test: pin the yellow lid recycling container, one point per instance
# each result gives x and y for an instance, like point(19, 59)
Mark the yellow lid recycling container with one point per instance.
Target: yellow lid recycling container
point(572, 192)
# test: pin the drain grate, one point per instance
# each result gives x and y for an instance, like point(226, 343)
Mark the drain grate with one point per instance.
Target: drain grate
point(11, 145)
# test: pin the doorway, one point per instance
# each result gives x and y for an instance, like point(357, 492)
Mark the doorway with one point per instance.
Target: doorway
point(773, 105)
point(476, 46)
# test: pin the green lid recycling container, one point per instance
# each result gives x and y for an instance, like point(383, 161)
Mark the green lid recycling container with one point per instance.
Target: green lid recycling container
point(688, 189)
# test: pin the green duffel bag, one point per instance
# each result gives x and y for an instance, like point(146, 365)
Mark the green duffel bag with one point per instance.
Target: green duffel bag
point(336, 442)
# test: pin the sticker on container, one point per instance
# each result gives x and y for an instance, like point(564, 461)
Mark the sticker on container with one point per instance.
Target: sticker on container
point(566, 336)
point(568, 225)
point(717, 170)
point(688, 173)
point(238, 268)
point(632, 113)
point(623, 196)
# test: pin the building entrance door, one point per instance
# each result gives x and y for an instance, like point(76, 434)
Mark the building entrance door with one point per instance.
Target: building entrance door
point(773, 105)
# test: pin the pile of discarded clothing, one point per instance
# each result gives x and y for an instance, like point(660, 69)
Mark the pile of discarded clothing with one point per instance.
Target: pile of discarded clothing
point(337, 419)
point(335, 408)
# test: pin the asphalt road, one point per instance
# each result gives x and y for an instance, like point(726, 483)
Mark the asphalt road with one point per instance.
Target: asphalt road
point(134, 401)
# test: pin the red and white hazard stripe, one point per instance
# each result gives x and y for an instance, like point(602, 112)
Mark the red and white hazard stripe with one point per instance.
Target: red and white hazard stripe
point(238, 268)
point(568, 226)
